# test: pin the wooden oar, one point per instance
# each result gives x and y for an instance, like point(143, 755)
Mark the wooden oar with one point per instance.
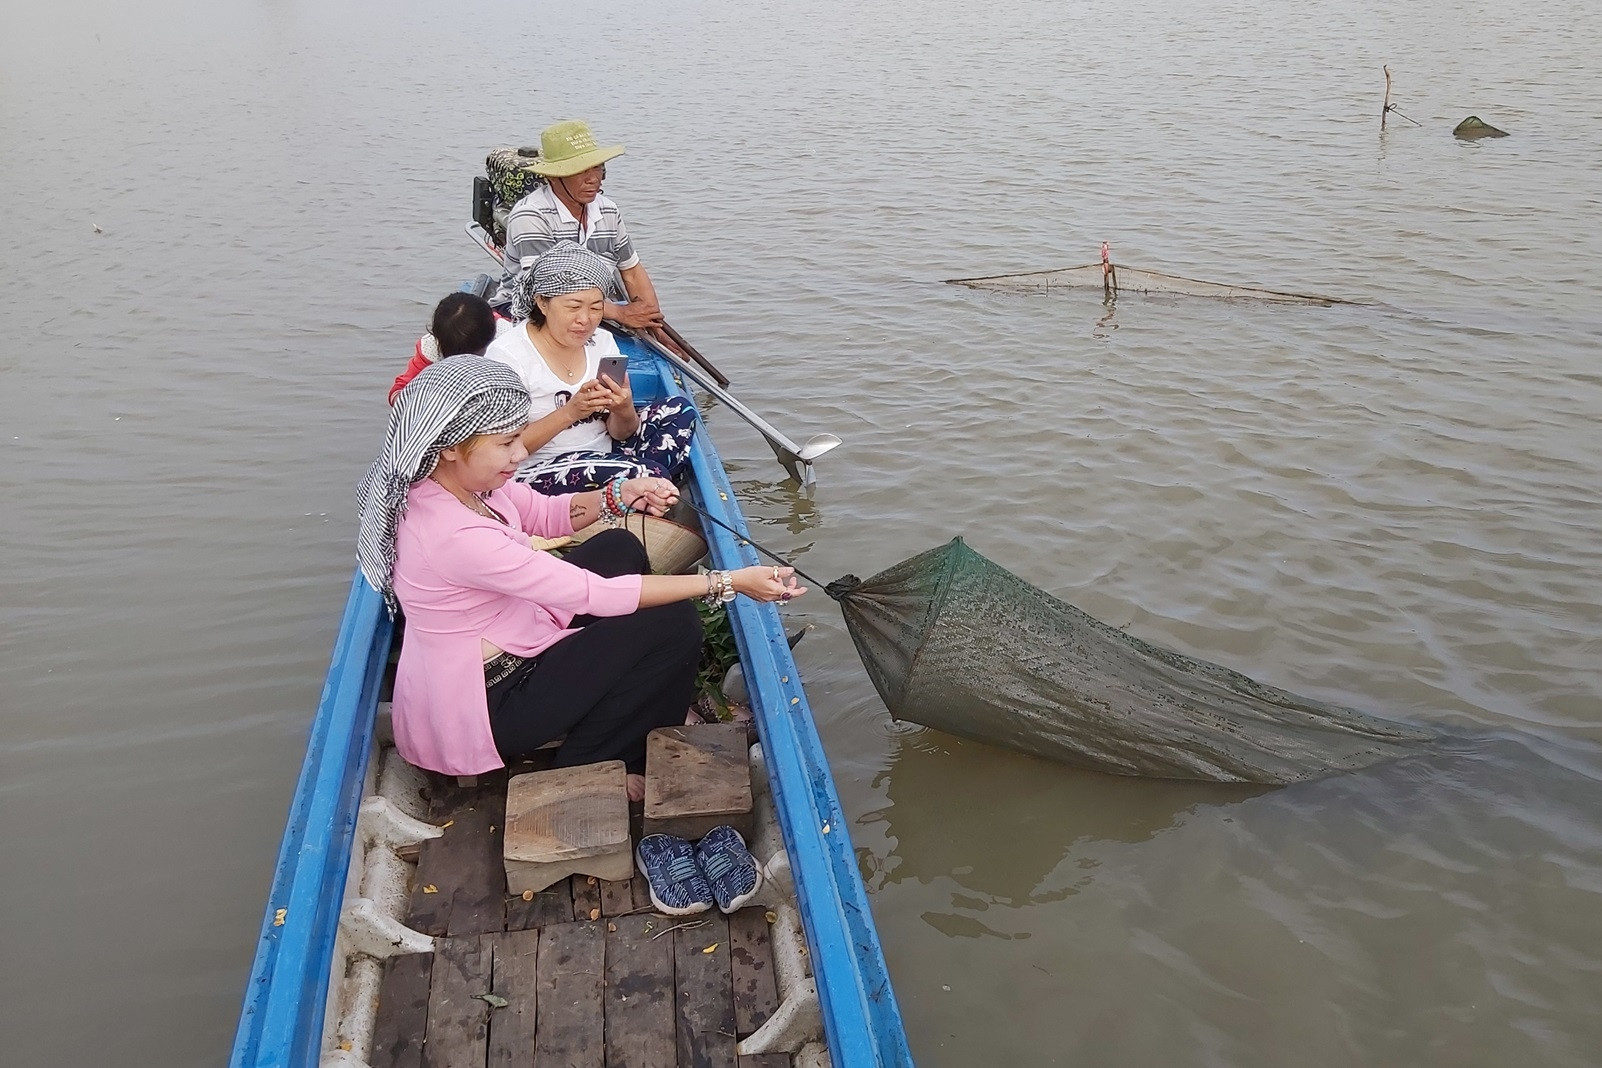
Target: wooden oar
point(797, 459)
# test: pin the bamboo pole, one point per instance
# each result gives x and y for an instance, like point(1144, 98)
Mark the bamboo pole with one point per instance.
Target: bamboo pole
point(1386, 110)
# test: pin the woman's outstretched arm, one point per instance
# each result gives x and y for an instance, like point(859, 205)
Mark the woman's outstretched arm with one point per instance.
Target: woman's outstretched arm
point(759, 582)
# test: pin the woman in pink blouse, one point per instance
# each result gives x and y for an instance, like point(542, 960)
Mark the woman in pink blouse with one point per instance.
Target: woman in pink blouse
point(506, 646)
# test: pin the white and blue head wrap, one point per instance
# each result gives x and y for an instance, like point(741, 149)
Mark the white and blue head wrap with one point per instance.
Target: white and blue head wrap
point(565, 268)
point(446, 404)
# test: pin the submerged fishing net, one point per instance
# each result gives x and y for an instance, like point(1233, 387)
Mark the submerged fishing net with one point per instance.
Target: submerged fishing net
point(958, 643)
point(1134, 280)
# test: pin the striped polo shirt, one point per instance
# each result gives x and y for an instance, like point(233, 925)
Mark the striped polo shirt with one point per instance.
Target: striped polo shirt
point(539, 221)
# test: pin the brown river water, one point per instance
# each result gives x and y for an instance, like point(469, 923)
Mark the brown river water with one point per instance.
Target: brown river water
point(1393, 506)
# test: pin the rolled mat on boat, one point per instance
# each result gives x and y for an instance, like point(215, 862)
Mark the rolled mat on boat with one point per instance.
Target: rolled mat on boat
point(956, 642)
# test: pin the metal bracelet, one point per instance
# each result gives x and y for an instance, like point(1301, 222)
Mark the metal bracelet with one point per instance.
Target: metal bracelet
point(719, 588)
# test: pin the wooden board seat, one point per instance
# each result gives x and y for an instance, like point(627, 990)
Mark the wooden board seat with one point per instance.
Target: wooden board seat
point(567, 821)
point(697, 777)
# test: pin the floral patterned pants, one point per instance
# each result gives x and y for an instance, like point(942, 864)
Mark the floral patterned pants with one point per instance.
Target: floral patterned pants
point(660, 447)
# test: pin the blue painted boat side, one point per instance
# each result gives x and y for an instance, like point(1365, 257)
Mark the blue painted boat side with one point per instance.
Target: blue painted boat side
point(282, 1020)
point(862, 1020)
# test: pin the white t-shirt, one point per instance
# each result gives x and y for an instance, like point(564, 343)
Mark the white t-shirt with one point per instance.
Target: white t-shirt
point(548, 391)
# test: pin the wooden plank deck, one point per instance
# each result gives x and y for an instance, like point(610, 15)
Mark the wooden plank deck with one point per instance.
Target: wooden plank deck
point(585, 974)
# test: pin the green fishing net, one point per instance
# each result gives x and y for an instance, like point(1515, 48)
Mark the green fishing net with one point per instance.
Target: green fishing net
point(958, 643)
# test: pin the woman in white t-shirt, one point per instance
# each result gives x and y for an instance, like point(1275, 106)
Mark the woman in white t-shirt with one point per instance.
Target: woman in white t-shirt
point(584, 430)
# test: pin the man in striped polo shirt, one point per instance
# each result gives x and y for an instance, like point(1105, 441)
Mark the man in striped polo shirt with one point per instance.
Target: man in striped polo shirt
point(568, 206)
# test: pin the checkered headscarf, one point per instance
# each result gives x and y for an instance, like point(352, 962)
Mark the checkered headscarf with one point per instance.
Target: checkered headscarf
point(449, 402)
point(565, 268)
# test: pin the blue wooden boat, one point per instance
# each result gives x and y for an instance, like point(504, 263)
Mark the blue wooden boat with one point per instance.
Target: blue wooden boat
point(313, 986)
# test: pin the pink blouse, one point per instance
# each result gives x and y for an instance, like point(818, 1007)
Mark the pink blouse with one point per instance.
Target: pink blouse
point(461, 577)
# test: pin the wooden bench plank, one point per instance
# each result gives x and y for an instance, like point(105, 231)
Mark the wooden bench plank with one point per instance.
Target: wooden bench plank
point(586, 897)
point(400, 1026)
point(617, 897)
point(570, 1032)
point(458, 1022)
point(756, 996)
point(481, 899)
point(511, 1027)
point(640, 891)
point(459, 887)
point(639, 995)
point(705, 1005)
point(554, 904)
point(429, 910)
point(479, 906)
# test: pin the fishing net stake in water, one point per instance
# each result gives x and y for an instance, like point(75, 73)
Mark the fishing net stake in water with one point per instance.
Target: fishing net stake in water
point(1115, 279)
point(1109, 275)
point(1390, 107)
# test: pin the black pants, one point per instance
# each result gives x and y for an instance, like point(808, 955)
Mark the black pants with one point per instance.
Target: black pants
point(607, 686)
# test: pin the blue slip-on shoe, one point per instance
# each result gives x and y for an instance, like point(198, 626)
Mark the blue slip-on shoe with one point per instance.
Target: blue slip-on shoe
point(675, 881)
point(729, 866)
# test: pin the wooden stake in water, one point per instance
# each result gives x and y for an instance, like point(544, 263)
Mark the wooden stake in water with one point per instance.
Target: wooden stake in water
point(1390, 107)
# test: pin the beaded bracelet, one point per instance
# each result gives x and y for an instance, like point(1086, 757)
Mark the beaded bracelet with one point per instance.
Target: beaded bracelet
point(613, 510)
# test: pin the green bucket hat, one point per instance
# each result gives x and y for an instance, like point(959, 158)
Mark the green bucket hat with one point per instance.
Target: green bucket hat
point(567, 148)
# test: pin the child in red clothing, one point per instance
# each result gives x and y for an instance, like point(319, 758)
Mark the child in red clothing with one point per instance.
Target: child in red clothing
point(463, 324)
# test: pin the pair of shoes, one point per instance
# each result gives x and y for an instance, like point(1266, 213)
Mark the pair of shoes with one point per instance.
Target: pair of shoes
point(685, 879)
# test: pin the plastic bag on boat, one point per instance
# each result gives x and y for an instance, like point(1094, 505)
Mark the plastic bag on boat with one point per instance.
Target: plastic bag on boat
point(958, 643)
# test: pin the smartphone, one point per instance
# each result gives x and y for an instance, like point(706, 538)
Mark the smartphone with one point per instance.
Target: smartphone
point(614, 367)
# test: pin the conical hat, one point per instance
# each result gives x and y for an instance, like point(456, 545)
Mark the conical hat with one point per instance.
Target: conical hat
point(671, 547)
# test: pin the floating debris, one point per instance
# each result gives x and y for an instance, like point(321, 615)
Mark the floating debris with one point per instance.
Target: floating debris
point(1475, 127)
